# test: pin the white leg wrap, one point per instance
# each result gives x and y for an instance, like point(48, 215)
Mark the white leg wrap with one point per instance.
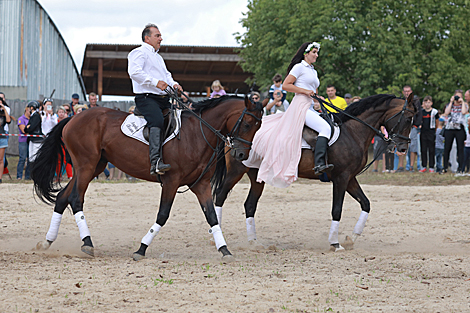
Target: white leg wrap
point(361, 223)
point(153, 231)
point(251, 228)
point(218, 236)
point(218, 212)
point(333, 237)
point(54, 227)
point(82, 226)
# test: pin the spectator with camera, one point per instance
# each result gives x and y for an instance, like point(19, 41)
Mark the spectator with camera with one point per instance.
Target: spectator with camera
point(455, 129)
point(48, 118)
point(277, 104)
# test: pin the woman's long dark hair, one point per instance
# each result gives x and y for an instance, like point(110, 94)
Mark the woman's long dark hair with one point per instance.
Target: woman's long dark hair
point(298, 57)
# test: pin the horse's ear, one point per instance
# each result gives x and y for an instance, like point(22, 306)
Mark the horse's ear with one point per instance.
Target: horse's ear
point(410, 98)
point(265, 102)
point(249, 105)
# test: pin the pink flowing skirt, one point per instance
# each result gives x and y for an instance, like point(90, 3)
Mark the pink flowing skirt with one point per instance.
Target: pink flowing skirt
point(277, 145)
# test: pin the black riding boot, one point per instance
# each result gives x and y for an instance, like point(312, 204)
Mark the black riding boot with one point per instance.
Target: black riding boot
point(155, 146)
point(320, 156)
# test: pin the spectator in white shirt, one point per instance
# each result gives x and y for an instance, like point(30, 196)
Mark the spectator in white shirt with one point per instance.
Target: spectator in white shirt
point(49, 119)
point(150, 78)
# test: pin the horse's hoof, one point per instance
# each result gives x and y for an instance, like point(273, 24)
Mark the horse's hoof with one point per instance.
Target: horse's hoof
point(254, 243)
point(348, 243)
point(138, 257)
point(228, 258)
point(336, 247)
point(88, 250)
point(43, 245)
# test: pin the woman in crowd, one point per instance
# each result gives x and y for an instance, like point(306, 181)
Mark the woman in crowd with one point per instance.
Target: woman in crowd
point(455, 129)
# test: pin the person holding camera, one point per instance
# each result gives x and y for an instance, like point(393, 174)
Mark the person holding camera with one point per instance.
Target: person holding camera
point(454, 129)
point(48, 118)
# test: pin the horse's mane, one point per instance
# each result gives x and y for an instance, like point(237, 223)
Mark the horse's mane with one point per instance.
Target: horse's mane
point(200, 106)
point(359, 107)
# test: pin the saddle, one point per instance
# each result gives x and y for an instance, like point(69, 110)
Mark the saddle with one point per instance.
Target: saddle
point(170, 123)
point(310, 137)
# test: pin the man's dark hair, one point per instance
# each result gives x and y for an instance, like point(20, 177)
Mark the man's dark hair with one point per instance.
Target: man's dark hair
point(277, 78)
point(330, 86)
point(146, 31)
point(407, 86)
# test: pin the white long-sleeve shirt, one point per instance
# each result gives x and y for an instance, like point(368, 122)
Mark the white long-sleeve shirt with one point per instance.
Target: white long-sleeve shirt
point(146, 67)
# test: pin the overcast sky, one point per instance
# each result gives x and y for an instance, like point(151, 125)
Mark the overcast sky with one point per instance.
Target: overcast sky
point(181, 22)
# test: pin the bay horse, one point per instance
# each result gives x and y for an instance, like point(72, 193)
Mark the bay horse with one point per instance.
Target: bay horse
point(348, 155)
point(93, 138)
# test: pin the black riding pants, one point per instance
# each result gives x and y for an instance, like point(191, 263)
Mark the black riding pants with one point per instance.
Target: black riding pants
point(151, 107)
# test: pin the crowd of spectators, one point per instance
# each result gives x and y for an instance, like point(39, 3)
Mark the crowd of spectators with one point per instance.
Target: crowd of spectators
point(440, 140)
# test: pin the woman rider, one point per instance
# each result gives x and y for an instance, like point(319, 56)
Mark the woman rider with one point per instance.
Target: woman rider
point(277, 145)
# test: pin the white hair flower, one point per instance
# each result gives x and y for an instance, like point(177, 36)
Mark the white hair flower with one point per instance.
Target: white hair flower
point(311, 46)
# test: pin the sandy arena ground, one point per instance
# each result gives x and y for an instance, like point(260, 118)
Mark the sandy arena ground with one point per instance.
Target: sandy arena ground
point(412, 257)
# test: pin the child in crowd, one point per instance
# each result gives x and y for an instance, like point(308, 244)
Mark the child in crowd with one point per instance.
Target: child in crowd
point(277, 80)
point(439, 145)
point(428, 135)
point(217, 89)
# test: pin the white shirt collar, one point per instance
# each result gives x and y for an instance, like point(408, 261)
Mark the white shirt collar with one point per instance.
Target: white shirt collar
point(149, 47)
point(306, 64)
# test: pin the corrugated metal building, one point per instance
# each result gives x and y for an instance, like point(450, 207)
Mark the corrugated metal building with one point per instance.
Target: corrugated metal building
point(34, 59)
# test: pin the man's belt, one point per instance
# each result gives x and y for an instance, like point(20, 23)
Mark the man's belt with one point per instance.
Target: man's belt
point(152, 95)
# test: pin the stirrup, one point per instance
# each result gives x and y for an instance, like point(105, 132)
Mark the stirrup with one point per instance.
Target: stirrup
point(161, 167)
point(323, 168)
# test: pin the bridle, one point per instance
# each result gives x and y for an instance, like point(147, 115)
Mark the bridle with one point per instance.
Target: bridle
point(232, 136)
point(396, 134)
point(218, 150)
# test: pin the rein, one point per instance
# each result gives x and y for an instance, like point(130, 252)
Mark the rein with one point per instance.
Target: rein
point(392, 136)
point(227, 140)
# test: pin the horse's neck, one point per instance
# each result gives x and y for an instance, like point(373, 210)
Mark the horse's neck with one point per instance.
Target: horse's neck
point(358, 130)
point(219, 115)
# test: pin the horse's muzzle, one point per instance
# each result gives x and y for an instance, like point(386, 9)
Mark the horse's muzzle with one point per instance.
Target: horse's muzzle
point(239, 154)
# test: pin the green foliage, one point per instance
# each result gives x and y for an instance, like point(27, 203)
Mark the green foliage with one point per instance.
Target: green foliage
point(368, 46)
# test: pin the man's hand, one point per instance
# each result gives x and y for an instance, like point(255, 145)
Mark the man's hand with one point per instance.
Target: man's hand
point(162, 85)
point(178, 87)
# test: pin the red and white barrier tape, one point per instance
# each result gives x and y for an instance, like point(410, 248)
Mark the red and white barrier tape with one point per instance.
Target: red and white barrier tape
point(20, 135)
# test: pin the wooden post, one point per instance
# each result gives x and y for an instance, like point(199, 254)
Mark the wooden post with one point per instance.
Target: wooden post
point(100, 79)
point(208, 90)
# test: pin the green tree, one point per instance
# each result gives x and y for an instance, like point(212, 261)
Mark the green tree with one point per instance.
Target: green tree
point(368, 47)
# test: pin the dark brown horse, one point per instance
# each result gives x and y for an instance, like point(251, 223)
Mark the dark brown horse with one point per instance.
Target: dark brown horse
point(93, 138)
point(348, 154)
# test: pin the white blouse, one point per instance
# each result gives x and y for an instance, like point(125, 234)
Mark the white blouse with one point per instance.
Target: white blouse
point(305, 76)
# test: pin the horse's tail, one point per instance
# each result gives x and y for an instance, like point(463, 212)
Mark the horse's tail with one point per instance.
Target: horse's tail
point(218, 178)
point(43, 168)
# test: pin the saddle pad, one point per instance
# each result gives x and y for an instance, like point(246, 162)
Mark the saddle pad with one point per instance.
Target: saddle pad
point(333, 139)
point(133, 126)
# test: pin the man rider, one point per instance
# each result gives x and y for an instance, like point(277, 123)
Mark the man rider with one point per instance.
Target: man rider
point(150, 78)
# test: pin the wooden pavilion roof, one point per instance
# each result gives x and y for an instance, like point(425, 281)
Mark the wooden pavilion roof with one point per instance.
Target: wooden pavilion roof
point(104, 68)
